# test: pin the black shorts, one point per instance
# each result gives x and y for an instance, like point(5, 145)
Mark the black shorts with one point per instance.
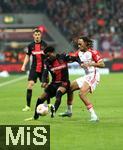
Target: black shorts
point(52, 88)
point(33, 75)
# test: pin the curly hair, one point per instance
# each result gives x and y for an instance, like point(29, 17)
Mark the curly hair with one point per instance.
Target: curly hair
point(87, 40)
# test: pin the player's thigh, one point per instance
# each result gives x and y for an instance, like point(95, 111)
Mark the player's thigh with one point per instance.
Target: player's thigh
point(64, 86)
point(62, 89)
point(51, 90)
point(85, 88)
point(33, 75)
point(43, 95)
point(74, 85)
point(80, 82)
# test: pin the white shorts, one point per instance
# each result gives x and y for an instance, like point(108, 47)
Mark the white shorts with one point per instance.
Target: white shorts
point(92, 79)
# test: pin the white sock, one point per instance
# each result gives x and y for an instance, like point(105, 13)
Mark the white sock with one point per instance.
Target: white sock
point(69, 108)
point(91, 110)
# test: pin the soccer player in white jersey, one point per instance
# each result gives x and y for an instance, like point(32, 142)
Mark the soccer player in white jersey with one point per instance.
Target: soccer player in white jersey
point(91, 61)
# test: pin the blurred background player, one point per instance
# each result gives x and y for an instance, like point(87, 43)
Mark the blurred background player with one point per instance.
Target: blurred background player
point(90, 62)
point(35, 49)
point(56, 64)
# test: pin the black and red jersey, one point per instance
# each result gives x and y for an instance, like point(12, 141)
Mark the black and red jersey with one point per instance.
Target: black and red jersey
point(58, 68)
point(36, 50)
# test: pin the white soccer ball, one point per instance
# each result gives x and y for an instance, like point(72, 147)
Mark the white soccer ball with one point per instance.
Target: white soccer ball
point(42, 109)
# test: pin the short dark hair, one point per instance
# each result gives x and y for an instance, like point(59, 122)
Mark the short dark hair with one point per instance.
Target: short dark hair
point(49, 49)
point(36, 30)
point(87, 40)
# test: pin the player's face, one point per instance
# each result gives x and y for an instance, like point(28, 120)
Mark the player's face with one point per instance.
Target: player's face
point(81, 45)
point(37, 36)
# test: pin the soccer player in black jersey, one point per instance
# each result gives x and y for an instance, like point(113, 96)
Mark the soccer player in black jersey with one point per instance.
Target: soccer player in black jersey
point(56, 64)
point(35, 49)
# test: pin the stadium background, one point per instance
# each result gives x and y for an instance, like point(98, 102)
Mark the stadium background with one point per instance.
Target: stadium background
point(61, 22)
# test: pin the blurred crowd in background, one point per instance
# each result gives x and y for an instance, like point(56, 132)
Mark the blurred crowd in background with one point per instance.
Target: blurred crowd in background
point(21, 6)
point(99, 19)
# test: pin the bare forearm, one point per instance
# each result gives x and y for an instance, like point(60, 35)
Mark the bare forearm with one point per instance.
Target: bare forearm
point(26, 60)
point(98, 64)
point(94, 64)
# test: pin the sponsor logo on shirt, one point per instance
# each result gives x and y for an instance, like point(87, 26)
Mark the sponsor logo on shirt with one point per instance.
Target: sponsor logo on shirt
point(36, 53)
point(58, 68)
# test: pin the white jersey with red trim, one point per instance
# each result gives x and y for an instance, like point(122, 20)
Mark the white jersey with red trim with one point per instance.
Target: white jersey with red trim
point(89, 56)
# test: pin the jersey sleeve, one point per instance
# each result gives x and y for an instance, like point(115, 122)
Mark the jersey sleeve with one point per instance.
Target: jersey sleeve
point(65, 57)
point(74, 58)
point(96, 56)
point(68, 58)
point(75, 54)
point(28, 50)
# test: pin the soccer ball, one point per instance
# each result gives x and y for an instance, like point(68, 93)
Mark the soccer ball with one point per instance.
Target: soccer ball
point(42, 109)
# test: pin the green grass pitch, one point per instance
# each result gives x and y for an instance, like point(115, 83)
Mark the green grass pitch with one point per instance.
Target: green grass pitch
point(75, 133)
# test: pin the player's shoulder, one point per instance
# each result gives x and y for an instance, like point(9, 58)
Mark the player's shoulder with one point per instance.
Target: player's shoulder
point(74, 54)
point(31, 44)
point(93, 51)
point(96, 55)
point(29, 47)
